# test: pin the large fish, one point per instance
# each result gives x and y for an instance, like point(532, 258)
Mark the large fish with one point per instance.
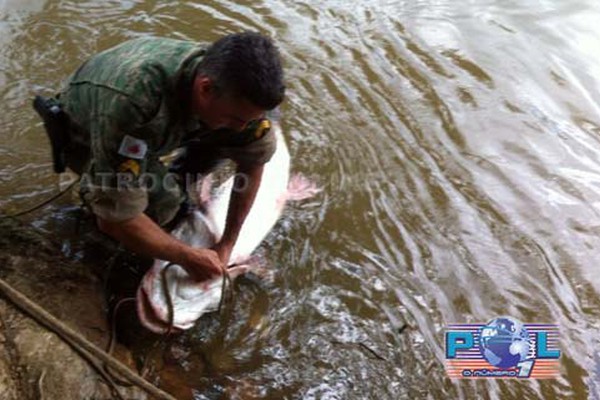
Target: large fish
point(189, 300)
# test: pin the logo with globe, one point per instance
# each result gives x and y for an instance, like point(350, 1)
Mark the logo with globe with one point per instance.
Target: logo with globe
point(502, 348)
point(504, 342)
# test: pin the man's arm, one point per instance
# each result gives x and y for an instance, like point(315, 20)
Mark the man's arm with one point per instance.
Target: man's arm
point(144, 236)
point(242, 197)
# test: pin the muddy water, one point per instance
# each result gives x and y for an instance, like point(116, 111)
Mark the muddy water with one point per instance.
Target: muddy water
point(458, 147)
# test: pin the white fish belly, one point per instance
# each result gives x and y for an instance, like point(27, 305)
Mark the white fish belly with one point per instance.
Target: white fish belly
point(189, 298)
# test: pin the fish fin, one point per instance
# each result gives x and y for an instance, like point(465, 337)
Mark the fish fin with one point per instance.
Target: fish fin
point(238, 270)
point(253, 261)
point(256, 265)
point(301, 188)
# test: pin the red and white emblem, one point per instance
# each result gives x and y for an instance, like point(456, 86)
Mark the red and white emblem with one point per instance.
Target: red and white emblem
point(133, 148)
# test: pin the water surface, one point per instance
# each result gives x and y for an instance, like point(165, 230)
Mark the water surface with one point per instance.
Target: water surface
point(457, 145)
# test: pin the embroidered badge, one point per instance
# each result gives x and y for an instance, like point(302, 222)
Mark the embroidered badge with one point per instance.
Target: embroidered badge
point(133, 148)
point(130, 166)
point(263, 128)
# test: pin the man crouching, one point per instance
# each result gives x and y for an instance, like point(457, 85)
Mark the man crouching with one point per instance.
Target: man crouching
point(130, 105)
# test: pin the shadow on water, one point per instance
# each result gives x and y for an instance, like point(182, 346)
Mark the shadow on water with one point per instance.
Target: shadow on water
point(457, 146)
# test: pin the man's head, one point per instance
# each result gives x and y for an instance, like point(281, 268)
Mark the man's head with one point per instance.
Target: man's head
point(239, 78)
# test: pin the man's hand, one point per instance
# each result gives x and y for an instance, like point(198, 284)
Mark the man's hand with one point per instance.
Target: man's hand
point(142, 235)
point(202, 264)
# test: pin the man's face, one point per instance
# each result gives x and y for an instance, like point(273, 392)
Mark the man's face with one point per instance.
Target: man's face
point(220, 111)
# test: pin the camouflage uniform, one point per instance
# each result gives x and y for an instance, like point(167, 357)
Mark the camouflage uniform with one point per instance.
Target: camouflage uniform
point(128, 107)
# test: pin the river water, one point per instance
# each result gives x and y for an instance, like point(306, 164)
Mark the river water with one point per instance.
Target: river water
point(458, 146)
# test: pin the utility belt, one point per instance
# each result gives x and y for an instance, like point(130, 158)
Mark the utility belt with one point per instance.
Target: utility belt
point(56, 123)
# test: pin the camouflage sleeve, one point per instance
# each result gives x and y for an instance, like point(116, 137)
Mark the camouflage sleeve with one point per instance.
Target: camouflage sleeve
point(255, 153)
point(115, 191)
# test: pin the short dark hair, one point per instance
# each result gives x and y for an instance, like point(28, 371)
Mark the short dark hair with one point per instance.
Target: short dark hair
point(248, 65)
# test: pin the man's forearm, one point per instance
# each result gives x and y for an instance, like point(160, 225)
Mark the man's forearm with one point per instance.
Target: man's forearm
point(143, 236)
point(242, 198)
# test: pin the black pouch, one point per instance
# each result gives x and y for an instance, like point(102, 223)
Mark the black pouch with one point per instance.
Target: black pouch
point(56, 122)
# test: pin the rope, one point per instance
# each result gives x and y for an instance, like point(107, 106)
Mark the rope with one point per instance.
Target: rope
point(171, 309)
point(113, 339)
point(226, 284)
point(43, 203)
point(88, 350)
point(165, 288)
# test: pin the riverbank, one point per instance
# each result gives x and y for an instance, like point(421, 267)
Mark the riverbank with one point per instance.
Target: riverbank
point(34, 362)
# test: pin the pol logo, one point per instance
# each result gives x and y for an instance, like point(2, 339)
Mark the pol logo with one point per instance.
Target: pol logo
point(502, 348)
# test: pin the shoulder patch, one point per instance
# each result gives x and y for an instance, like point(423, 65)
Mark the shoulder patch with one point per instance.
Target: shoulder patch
point(263, 128)
point(133, 148)
point(130, 166)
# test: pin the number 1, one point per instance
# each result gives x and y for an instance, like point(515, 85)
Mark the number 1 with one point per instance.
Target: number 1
point(525, 368)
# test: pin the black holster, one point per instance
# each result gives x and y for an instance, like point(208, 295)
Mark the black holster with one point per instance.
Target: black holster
point(56, 122)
